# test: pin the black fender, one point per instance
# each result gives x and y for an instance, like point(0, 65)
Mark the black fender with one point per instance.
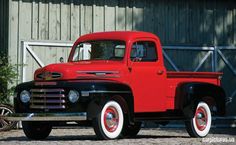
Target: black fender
point(189, 94)
point(105, 91)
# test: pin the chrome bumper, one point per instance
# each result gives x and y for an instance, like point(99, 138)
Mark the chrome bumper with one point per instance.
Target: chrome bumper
point(46, 116)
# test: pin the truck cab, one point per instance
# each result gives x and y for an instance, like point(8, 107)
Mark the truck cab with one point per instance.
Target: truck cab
point(114, 81)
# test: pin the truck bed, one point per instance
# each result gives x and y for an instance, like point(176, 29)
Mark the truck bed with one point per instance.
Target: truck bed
point(174, 78)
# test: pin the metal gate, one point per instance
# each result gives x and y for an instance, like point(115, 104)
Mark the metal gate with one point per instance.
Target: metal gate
point(31, 51)
point(226, 62)
point(177, 58)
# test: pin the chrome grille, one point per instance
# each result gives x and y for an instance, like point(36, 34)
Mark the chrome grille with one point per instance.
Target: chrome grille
point(47, 99)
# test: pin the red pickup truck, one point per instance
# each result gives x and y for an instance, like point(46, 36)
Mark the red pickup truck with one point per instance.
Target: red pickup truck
point(113, 81)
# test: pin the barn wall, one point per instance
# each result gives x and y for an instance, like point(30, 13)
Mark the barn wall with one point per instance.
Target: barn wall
point(176, 22)
point(3, 26)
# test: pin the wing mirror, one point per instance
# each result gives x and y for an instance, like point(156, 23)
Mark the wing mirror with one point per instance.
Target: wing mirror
point(61, 59)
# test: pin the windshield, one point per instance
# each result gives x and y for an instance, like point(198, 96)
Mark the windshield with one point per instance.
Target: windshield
point(99, 50)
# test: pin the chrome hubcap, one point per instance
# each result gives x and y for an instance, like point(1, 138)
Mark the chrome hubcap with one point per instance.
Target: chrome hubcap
point(201, 118)
point(111, 119)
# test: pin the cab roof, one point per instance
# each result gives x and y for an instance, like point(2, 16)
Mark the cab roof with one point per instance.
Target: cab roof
point(116, 35)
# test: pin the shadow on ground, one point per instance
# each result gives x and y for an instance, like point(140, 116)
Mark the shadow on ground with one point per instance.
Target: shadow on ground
point(178, 134)
point(229, 131)
point(86, 137)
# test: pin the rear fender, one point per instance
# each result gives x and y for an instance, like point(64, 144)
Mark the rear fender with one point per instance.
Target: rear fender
point(189, 94)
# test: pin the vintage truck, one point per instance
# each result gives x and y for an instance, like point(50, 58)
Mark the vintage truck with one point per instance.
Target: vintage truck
point(113, 81)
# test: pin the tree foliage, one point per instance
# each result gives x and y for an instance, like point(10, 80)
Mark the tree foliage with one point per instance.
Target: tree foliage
point(8, 76)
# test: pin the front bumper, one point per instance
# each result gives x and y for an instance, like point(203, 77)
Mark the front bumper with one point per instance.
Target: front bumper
point(81, 116)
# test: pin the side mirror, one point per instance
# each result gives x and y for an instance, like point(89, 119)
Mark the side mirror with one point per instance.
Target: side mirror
point(61, 59)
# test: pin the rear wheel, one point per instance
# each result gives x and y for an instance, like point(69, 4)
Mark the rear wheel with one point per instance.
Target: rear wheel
point(36, 130)
point(110, 121)
point(200, 125)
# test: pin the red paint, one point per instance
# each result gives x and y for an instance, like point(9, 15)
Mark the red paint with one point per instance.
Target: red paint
point(152, 86)
point(201, 122)
point(111, 124)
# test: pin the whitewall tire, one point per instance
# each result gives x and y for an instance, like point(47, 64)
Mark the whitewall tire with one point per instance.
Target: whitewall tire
point(200, 124)
point(109, 123)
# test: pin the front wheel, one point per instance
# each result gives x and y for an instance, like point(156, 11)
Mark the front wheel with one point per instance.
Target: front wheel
point(110, 121)
point(36, 130)
point(200, 125)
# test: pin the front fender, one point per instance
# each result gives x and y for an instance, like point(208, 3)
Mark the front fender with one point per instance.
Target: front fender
point(122, 93)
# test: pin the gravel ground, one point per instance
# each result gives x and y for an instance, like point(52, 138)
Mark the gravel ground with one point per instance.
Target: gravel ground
point(86, 136)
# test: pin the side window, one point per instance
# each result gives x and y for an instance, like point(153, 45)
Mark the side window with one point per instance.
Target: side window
point(143, 51)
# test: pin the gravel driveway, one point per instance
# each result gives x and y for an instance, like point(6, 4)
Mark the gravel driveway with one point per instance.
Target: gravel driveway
point(86, 136)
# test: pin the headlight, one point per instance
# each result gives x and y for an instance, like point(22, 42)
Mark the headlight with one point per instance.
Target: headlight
point(73, 96)
point(25, 96)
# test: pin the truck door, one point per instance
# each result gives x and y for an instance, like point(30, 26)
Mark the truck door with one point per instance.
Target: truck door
point(147, 77)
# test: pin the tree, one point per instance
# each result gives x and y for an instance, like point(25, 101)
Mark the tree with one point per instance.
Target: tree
point(8, 76)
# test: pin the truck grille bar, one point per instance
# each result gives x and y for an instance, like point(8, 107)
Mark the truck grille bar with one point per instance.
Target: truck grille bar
point(47, 99)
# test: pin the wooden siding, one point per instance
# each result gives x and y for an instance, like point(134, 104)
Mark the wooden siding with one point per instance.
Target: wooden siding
point(175, 22)
point(182, 22)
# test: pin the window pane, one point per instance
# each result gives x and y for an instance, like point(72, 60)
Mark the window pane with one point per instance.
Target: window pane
point(143, 51)
point(99, 50)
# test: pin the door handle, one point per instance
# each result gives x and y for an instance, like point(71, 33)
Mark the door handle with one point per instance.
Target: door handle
point(160, 72)
point(130, 68)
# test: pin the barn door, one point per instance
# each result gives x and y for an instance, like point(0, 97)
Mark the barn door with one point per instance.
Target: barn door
point(37, 54)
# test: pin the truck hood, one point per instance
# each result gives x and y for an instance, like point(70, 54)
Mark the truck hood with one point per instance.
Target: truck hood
point(79, 70)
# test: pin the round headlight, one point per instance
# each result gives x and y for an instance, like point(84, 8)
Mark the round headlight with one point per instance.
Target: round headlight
point(25, 96)
point(73, 96)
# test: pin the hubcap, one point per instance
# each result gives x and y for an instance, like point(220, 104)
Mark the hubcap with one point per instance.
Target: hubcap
point(201, 118)
point(111, 119)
